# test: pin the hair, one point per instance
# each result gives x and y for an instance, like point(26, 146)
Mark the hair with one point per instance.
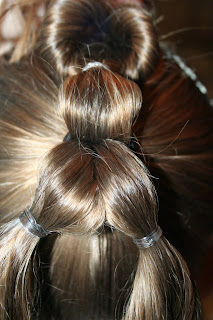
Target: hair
point(130, 119)
point(21, 21)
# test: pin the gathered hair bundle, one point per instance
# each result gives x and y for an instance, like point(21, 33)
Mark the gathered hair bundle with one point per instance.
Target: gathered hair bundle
point(80, 240)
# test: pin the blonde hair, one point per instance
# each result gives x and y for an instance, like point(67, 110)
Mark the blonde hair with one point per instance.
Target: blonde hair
point(20, 22)
point(94, 194)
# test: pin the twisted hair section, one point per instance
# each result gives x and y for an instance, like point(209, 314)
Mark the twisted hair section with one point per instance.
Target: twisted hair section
point(93, 192)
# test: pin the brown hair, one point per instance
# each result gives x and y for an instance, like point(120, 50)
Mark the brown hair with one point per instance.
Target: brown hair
point(94, 194)
point(82, 36)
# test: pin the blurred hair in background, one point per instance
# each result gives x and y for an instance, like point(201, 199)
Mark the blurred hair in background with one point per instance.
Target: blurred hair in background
point(187, 27)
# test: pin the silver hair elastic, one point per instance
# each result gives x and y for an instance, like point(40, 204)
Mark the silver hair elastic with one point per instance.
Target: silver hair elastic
point(94, 64)
point(29, 222)
point(149, 240)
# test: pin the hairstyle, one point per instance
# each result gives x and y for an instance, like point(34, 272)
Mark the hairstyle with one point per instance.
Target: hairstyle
point(130, 117)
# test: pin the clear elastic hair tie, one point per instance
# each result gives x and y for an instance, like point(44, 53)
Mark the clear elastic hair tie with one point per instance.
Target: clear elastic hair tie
point(95, 64)
point(29, 222)
point(149, 240)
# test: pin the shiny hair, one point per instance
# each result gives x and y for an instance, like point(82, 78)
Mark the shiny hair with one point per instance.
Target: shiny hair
point(94, 193)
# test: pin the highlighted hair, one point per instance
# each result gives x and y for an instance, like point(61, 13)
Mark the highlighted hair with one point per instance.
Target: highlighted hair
point(94, 195)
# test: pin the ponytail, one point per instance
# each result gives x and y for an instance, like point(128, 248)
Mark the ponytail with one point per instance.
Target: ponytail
point(19, 289)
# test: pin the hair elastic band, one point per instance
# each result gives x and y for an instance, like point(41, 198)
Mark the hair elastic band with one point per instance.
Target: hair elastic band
point(149, 240)
point(29, 222)
point(133, 144)
point(94, 64)
point(67, 137)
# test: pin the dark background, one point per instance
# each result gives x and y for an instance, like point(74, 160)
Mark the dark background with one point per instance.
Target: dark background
point(195, 45)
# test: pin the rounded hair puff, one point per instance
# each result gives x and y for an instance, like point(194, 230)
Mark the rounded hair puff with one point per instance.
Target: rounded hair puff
point(123, 37)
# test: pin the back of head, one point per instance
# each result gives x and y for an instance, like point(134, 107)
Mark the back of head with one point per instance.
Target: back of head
point(103, 255)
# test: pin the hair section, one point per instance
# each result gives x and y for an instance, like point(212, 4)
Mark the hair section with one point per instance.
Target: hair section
point(28, 110)
point(108, 108)
point(124, 38)
point(87, 184)
point(80, 189)
point(175, 130)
